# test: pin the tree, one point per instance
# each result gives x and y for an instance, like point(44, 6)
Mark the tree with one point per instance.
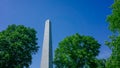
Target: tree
point(101, 63)
point(77, 51)
point(17, 44)
point(114, 43)
point(114, 18)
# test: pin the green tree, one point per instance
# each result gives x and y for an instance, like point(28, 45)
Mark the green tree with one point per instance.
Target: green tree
point(77, 51)
point(17, 44)
point(101, 63)
point(114, 59)
point(114, 18)
point(114, 43)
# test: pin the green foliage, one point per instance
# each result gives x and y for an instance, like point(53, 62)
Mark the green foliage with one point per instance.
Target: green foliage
point(114, 61)
point(101, 63)
point(114, 44)
point(114, 18)
point(77, 51)
point(17, 44)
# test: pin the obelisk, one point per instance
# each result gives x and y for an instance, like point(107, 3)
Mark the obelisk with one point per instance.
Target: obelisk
point(46, 59)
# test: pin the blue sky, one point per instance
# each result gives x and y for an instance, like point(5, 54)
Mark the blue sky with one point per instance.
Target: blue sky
point(86, 17)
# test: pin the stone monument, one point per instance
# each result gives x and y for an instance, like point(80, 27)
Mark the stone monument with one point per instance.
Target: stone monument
point(46, 59)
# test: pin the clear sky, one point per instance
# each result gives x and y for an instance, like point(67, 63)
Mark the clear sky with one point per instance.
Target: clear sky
point(86, 17)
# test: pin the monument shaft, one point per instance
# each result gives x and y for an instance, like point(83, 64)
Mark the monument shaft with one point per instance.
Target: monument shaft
point(46, 59)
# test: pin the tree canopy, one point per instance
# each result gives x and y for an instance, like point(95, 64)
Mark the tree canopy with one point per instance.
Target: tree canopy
point(114, 43)
point(77, 51)
point(17, 44)
point(114, 18)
